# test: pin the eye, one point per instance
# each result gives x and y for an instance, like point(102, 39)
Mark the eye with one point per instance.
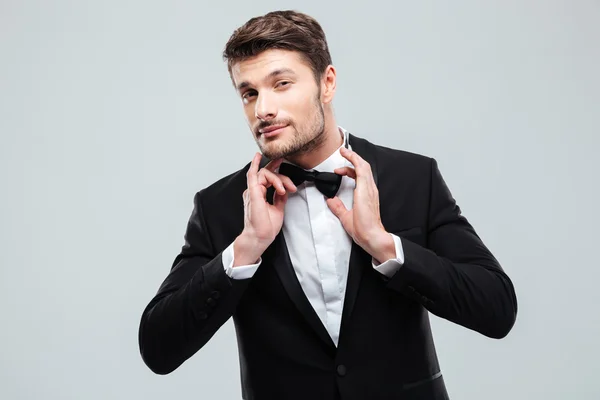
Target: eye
point(283, 83)
point(248, 94)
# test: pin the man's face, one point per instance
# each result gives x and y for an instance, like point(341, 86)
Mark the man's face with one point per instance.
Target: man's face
point(278, 90)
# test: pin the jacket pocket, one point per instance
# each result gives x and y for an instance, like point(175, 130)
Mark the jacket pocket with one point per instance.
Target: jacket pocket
point(412, 385)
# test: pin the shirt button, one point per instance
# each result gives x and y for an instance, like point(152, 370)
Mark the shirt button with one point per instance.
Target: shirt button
point(341, 370)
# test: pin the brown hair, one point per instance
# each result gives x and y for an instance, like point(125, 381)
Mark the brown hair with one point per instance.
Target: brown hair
point(287, 30)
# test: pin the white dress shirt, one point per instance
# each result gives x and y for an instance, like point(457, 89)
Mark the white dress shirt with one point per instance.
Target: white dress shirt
point(318, 246)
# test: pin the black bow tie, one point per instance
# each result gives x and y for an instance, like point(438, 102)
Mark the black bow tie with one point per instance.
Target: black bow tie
point(327, 183)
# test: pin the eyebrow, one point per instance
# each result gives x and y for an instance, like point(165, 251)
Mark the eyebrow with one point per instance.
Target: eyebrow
point(272, 74)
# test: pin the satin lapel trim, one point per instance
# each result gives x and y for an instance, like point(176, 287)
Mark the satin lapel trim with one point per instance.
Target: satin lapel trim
point(359, 258)
point(285, 270)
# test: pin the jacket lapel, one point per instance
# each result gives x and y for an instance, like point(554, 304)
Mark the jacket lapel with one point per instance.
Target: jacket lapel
point(359, 258)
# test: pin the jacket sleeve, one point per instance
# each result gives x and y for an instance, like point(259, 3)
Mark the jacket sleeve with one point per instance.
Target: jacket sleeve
point(455, 276)
point(193, 302)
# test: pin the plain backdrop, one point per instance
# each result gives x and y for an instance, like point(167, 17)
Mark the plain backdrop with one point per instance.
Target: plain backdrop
point(113, 114)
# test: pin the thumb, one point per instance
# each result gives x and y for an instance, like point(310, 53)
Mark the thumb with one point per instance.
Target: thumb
point(336, 206)
point(279, 201)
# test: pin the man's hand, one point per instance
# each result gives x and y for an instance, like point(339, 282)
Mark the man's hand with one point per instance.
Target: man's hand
point(363, 221)
point(262, 221)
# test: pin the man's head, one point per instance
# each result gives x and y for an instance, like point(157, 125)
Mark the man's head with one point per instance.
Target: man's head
point(281, 68)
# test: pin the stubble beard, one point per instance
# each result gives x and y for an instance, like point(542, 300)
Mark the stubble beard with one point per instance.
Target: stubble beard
point(304, 141)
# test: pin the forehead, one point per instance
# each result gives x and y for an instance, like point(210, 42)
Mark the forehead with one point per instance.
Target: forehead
point(258, 67)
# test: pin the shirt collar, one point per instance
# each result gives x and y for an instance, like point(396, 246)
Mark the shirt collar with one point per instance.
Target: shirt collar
point(335, 160)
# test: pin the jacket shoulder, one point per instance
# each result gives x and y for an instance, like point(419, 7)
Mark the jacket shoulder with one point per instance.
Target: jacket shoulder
point(227, 187)
point(387, 155)
point(402, 155)
point(396, 161)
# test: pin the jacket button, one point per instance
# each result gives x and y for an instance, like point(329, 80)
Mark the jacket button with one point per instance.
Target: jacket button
point(341, 370)
point(211, 302)
point(216, 294)
point(203, 315)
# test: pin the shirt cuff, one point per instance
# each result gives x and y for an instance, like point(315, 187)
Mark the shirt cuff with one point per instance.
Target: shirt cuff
point(240, 272)
point(391, 266)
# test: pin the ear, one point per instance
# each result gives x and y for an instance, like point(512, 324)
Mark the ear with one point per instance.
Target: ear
point(328, 81)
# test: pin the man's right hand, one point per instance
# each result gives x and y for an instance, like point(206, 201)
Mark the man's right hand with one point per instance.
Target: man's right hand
point(262, 221)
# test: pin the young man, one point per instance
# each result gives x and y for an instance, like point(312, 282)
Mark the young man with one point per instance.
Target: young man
point(328, 251)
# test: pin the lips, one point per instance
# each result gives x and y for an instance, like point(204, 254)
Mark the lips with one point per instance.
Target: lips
point(271, 128)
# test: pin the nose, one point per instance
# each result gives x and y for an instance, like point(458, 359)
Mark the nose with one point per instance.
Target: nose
point(265, 108)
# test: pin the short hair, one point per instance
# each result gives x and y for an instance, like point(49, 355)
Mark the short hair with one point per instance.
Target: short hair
point(287, 30)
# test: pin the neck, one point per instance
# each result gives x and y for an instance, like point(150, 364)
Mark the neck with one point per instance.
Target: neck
point(332, 141)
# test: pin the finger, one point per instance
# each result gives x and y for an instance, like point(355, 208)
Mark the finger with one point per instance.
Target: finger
point(268, 178)
point(346, 171)
point(337, 207)
point(251, 175)
point(279, 201)
point(361, 167)
point(287, 182)
point(273, 164)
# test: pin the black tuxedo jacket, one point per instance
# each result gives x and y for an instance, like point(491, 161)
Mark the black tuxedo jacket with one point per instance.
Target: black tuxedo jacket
point(385, 349)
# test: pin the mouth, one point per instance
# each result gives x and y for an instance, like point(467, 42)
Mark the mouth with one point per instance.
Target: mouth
point(272, 130)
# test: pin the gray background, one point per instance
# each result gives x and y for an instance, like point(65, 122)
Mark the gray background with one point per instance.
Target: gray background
point(114, 113)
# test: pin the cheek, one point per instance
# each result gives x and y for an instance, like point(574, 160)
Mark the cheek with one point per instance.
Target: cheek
point(300, 108)
point(249, 114)
point(310, 109)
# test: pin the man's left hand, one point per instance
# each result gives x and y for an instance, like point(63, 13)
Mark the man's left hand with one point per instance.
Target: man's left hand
point(363, 221)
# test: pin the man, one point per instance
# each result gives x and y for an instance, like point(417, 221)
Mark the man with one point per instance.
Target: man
point(328, 274)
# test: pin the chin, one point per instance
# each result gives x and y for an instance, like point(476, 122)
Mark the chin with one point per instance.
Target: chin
point(272, 146)
point(274, 151)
